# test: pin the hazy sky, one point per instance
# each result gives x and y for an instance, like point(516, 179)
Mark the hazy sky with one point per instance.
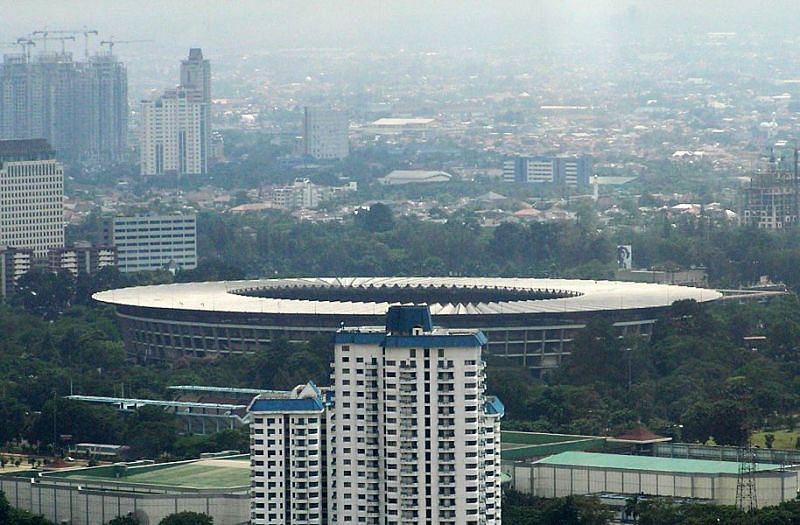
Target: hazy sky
point(263, 25)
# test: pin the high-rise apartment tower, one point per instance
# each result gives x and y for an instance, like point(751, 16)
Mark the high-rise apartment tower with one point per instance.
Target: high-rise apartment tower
point(410, 436)
point(175, 129)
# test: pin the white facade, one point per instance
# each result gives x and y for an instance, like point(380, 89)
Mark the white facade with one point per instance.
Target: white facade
point(325, 133)
point(155, 242)
point(172, 134)
point(31, 196)
point(411, 439)
point(410, 436)
point(287, 446)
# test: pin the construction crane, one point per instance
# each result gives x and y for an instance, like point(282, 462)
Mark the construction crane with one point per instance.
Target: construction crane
point(44, 37)
point(85, 32)
point(111, 43)
point(26, 44)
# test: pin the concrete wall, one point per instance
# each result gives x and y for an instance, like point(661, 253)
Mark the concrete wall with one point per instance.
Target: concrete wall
point(556, 481)
point(87, 504)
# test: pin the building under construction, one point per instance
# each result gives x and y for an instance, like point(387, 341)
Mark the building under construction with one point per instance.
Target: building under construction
point(80, 107)
point(770, 199)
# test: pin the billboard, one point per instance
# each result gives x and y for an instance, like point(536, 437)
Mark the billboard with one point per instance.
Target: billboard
point(624, 259)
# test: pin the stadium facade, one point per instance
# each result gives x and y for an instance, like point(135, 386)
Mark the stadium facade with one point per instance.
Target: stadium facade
point(529, 322)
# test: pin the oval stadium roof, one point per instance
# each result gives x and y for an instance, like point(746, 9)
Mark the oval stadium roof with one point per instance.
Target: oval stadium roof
point(374, 295)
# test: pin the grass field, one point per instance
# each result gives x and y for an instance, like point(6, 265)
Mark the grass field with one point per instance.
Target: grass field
point(199, 475)
point(783, 439)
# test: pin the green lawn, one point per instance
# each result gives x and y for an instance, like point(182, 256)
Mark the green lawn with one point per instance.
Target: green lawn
point(783, 439)
point(199, 476)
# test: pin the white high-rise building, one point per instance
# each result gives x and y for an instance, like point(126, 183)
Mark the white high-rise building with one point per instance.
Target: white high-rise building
point(171, 136)
point(153, 242)
point(411, 436)
point(31, 196)
point(287, 446)
point(175, 127)
point(325, 133)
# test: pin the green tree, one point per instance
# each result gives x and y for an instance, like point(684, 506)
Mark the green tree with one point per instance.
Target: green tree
point(150, 432)
point(187, 518)
point(377, 218)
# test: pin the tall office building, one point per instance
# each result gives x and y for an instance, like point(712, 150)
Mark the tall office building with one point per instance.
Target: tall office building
point(563, 171)
point(325, 133)
point(175, 132)
point(153, 242)
point(80, 108)
point(410, 436)
point(31, 196)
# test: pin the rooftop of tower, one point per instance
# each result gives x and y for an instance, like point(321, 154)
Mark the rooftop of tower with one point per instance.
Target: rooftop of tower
point(25, 149)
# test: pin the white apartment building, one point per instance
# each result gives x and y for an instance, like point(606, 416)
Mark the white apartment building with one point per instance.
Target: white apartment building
point(154, 242)
point(411, 436)
point(31, 196)
point(287, 447)
point(325, 133)
point(172, 134)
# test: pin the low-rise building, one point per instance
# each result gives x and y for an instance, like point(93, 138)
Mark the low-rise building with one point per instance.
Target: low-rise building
point(559, 170)
point(153, 242)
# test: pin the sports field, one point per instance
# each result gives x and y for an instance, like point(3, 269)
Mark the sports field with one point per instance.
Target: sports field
point(204, 474)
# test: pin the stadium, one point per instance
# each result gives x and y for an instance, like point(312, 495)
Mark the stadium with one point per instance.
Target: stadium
point(529, 322)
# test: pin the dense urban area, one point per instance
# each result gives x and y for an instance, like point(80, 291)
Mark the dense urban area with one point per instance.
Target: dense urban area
point(400, 275)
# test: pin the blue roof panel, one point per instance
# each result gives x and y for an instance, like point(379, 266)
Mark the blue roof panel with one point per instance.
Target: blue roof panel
point(286, 405)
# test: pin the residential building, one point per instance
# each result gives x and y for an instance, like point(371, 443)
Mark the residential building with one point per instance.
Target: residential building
point(287, 456)
point(325, 133)
point(80, 108)
point(175, 130)
point(410, 435)
point(31, 196)
point(82, 258)
point(562, 171)
point(306, 195)
point(14, 263)
point(108, 110)
point(153, 242)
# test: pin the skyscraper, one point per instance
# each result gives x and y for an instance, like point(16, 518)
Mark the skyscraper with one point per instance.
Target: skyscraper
point(108, 88)
point(196, 79)
point(325, 133)
point(31, 196)
point(80, 108)
point(409, 434)
point(175, 128)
